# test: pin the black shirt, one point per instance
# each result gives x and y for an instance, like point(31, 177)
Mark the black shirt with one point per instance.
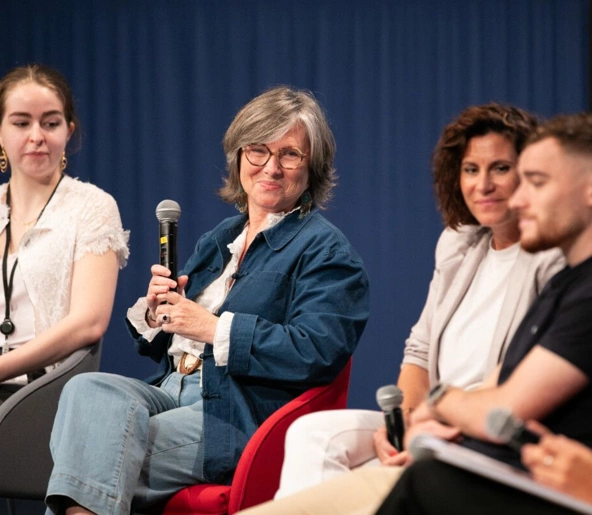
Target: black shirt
point(560, 320)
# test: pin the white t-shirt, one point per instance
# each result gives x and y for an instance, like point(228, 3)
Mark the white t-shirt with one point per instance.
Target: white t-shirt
point(466, 340)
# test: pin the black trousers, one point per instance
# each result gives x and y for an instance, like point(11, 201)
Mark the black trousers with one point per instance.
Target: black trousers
point(431, 487)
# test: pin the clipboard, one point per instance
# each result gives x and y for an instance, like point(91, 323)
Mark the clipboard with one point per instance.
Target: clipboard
point(428, 446)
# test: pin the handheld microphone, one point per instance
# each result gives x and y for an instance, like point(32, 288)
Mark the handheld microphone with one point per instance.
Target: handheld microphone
point(505, 428)
point(168, 213)
point(390, 398)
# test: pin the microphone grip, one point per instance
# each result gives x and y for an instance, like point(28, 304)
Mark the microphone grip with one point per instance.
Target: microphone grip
point(168, 248)
point(521, 436)
point(395, 428)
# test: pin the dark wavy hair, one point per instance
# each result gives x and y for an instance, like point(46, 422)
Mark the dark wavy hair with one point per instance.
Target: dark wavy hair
point(49, 78)
point(509, 121)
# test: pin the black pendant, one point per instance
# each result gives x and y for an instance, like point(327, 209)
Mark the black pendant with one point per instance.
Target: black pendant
point(7, 327)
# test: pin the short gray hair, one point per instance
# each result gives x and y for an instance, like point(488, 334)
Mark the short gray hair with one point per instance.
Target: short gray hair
point(268, 118)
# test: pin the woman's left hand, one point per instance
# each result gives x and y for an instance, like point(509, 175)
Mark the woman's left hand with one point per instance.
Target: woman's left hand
point(422, 413)
point(184, 317)
point(432, 427)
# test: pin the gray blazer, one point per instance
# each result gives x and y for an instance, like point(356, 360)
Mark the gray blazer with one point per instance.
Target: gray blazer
point(458, 255)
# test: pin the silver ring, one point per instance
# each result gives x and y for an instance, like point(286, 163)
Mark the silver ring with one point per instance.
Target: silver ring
point(548, 460)
point(166, 318)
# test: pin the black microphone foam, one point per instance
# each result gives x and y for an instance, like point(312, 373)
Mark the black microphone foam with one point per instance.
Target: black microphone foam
point(505, 428)
point(168, 213)
point(390, 398)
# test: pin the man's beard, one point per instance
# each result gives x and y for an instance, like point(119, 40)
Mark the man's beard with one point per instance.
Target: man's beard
point(554, 236)
point(538, 244)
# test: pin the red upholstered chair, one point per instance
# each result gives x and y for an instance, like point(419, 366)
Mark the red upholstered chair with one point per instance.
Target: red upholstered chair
point(257, 475)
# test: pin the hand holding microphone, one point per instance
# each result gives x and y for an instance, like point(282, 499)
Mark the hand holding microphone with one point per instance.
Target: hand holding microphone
point(168, 213)
point(502, 426)
point(390, 398)
point(168, 308)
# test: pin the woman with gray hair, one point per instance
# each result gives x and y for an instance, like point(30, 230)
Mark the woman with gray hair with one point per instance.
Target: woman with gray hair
point(272, 303)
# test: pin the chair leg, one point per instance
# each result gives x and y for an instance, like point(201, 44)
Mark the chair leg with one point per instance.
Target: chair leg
point(10, 506)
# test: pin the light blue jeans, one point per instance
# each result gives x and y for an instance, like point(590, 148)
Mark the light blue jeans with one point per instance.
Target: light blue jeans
point(117, 441)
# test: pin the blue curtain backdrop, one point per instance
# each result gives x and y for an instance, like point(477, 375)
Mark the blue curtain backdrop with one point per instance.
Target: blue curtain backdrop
point(158, 81)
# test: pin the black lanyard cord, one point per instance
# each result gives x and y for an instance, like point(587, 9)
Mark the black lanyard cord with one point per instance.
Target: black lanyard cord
point(7, 326)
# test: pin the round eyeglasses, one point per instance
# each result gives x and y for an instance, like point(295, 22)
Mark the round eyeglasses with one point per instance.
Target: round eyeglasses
point(259, 154)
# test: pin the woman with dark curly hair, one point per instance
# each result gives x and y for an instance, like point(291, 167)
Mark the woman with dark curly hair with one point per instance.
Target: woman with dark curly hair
point(482, 286)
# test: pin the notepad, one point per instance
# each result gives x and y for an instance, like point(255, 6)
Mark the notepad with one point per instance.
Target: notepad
point(428, 446)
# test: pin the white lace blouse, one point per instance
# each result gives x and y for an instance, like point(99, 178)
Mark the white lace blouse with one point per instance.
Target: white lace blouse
point(79, 219)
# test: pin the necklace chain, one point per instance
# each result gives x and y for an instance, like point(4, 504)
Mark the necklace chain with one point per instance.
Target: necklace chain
point(33, 221)
point(26, 224)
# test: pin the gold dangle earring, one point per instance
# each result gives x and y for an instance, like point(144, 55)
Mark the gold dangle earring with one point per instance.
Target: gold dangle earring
point(63, 162)
point(3, 160)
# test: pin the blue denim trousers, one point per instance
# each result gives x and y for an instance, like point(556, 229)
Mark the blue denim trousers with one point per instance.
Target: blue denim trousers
point(120, 445)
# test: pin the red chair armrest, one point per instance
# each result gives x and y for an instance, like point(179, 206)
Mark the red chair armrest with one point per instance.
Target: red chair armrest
point(200, 500)
point(257, 475)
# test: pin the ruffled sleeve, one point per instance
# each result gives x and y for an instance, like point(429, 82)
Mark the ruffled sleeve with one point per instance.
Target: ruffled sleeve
point(100, 229)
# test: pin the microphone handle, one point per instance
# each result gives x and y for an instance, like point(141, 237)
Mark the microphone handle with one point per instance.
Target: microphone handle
point(395, 428)
point(521, 436)
point(168, 247)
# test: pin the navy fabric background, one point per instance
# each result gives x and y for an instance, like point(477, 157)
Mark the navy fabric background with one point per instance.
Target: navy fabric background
point(158, 81)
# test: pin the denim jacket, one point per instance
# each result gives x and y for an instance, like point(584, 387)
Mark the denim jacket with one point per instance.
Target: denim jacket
point(300, 302)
